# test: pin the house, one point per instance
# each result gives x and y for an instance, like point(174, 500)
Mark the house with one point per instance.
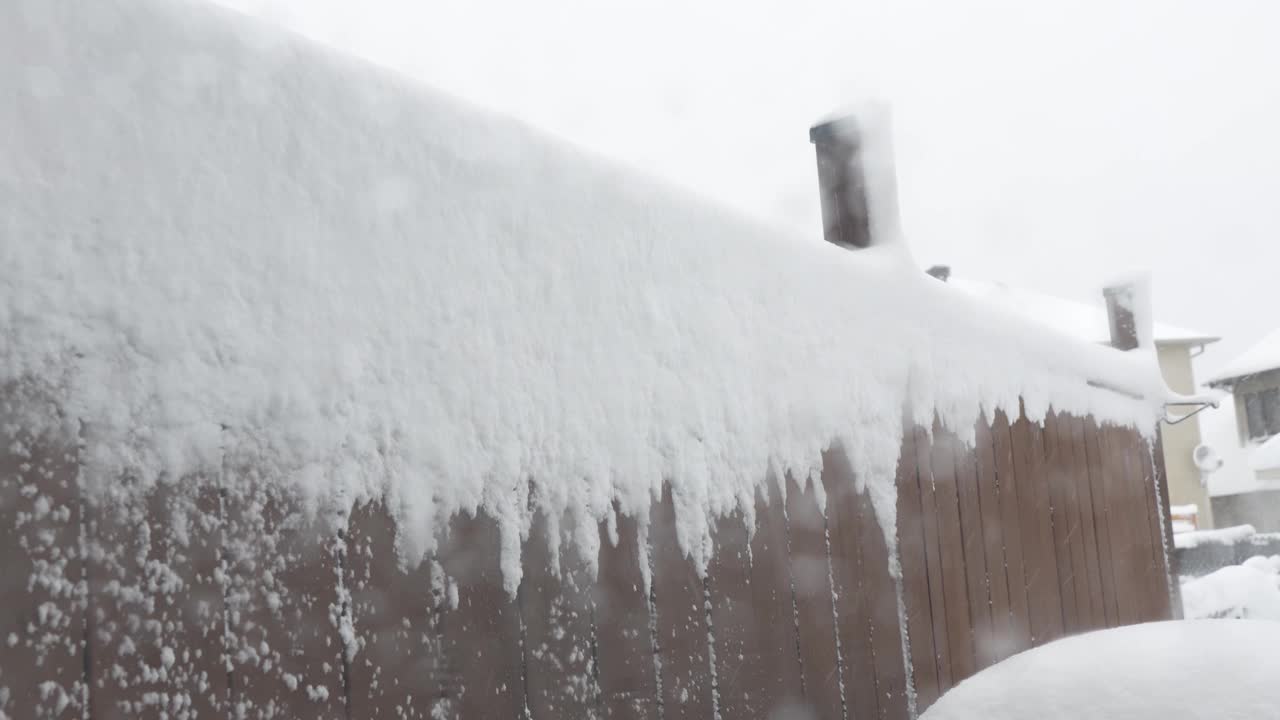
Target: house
point(1245, 435)
point(1175, 348)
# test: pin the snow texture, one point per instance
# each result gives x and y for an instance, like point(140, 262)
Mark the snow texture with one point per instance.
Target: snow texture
point(1263, 356)
point(1180, 670)
point(1083, 321)
point(1250, 590)
point(1220, 536)
point(1266, 456)
point(227, 247)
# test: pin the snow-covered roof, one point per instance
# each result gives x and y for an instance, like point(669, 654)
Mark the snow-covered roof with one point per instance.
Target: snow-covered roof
point(1263, 356)
point(1266, 456)
point(1085, 321)
point(228, 247)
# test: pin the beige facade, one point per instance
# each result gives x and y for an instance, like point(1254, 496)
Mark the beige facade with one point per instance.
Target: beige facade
point(1186, 486)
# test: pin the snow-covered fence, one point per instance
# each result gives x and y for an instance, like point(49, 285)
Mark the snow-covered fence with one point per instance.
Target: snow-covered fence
point(327, 396)
point(1204, 551)
point(223, 598)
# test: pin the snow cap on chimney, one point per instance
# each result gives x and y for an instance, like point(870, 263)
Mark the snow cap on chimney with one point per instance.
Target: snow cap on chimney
point(1129, 313)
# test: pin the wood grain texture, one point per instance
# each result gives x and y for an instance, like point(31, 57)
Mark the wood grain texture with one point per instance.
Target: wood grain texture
point(757, 665)
point(42, 624)
point(680, 605)
point(624, 642)
point(156, 644)
point(811, 580)
point(396, 614)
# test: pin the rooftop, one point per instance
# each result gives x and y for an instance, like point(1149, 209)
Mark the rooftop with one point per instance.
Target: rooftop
point(1083, 321)
point(1263, 356)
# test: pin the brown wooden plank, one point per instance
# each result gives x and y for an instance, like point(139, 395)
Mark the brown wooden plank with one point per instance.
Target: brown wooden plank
point(42, 624)
point(1040, 568)
point(1126, 552)
point(560, 675)
point(396, 612)
point(757, 668)
point(915, 575)
point(1175, 588)
point(1139, 511)
point(624, 642)
point(1096, 617)
point(886, 626)
point(1098, 489)
point(482, 672)
point(680, 607)
point(933, 558)
point(1057, 479)
point(1075, 476)
point(1000, 638)
point(811, 581)
point(852, 592)
point(156, 644)
point(952, 552)
point(1159, 569)
point(1069, 544)
point(283, 606)
point(1019, 636)
point(1044, 514)
point(975, 554)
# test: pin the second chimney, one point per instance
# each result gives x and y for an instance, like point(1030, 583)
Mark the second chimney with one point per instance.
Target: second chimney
point(1120, 316)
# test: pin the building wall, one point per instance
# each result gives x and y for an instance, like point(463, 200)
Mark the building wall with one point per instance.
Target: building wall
point(1180, 440)
point(1260, 509)
point(1245, 386)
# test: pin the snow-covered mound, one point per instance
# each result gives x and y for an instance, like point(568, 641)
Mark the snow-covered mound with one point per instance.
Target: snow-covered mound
point(1181, 670)
point(1251, 590)
point(228, 248)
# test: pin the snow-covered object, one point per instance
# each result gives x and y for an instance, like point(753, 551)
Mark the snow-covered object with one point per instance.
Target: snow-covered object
point(225, 247)
point(1220, 536)
point(1263, 356)
point(1266, 456)
point(1180, 670)
point(1083, 321)
point(1248, 591)
point(1263, 563)
point(1184, 517)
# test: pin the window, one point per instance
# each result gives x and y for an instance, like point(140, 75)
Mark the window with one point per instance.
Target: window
point(1262, 413)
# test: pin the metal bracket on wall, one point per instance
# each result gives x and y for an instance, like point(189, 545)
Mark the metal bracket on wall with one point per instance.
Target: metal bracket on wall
point(1199, 405)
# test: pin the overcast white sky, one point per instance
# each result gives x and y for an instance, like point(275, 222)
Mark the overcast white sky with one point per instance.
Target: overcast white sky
point(1054, 146)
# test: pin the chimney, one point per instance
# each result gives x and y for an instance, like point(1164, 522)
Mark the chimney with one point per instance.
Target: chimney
point(856, 179)
point(1120, 316)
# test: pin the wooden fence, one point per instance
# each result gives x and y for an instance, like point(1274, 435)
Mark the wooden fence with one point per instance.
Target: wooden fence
point(223, 603)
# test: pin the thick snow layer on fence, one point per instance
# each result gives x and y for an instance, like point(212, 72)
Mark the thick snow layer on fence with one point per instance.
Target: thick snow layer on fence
point(224, 247)
point(1184, 670)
